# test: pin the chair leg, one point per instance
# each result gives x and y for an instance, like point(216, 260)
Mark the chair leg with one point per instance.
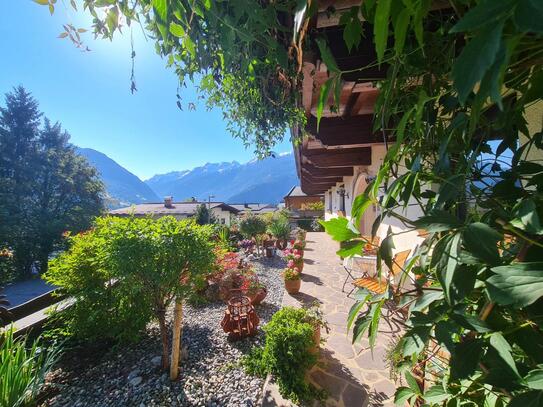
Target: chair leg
point(349, 275)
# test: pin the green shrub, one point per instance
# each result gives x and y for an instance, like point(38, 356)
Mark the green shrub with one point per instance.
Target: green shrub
point(22, 369)
point(279, 228)
point(106, 307)
point(287, 354)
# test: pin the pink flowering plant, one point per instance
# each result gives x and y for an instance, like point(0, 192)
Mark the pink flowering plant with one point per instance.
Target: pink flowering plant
point(291, 273)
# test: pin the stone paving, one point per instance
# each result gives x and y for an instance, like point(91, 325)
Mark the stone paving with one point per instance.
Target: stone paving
point(351, 374)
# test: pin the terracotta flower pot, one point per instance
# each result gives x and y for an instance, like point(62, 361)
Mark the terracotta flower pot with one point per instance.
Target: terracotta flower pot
point(259, 296)
point(293, 286)
point(281, 244)
point(316, 340)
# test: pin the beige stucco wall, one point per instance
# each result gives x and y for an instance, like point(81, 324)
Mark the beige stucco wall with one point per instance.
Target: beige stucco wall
point(223, 217)
point(353, 187)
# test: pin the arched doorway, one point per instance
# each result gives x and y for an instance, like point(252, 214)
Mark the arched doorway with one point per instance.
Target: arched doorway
point(366, 222)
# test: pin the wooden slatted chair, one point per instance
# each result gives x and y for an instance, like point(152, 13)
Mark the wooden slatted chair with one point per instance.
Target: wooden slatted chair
point(377, 285)
point(370, 246)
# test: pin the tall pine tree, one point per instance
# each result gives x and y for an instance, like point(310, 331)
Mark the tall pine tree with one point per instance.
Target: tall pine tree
point(46, 188)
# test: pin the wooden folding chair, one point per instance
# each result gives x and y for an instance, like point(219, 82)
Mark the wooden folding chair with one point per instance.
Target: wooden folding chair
point(376, 285)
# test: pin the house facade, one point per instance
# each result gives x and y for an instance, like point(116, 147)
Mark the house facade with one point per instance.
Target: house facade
point(296, 198)
point(224, 213)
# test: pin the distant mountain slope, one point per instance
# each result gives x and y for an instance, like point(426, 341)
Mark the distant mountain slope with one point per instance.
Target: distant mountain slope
point(265, 181)
point(123, 187)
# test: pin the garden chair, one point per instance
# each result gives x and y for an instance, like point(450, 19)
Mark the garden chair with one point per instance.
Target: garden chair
point(370, 248)
point(376, 285)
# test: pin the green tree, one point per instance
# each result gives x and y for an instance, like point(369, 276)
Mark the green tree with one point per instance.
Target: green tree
point(204, 216)
point(19, 131)
point(46, 187)
point(164, 258)
point(253, 227)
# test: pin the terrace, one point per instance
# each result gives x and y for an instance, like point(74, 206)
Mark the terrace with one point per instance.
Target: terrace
point(352, 375)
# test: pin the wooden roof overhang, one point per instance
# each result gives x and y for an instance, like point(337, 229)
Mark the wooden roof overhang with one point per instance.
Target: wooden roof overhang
point(344, 136)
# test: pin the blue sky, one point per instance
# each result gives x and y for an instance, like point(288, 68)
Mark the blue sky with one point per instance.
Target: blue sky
point(89, 93)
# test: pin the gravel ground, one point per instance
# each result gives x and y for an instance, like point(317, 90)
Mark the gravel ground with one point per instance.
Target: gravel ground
point(210, 373)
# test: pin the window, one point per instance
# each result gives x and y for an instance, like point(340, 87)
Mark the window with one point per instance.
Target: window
point(223, 221)
point(330, 201)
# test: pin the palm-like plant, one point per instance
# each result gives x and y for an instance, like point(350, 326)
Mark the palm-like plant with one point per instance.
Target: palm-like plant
point(280, 229)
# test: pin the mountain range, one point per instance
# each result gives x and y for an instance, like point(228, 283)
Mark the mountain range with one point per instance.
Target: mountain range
point(257, 181)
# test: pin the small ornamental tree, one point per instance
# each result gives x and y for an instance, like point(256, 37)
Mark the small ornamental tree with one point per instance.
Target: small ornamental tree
point(253, 227)
point(164, 258)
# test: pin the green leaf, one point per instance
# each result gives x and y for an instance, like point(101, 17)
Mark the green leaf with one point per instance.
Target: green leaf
point(400, 30)
point(351, 248)
point(338, 229)
point(112, 19)
point(426, 299)
point(485, 13)
point(527, 218)
point(414, 340)
point(42, 2)
point(438, 221)
point(528, 16)
point(436, 394)
point(402, 395)
point(534, 379)
point(160, 8)
point(386, 247)
point(327, 56)
point(498, 342)
point(177, 30)
point(375, 313)
point(360, 204)
point(520, 284)
point(475, 59)
point(465, 358)
point(355, 310)
point(532, 398)
point(352, 33)
point(482, 242)
point(361, 325)
point(323, 99)
point(446, 252)
point(380, 27)
point(412, 383)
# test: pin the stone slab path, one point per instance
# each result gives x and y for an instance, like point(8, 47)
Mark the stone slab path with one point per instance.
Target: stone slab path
point(352, 375)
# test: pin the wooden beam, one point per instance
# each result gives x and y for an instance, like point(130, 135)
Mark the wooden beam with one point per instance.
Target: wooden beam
point(317, 179)
point(327, 172)
point(345, 157)
point(339, 131)
point(324, 182)
point(319, 185)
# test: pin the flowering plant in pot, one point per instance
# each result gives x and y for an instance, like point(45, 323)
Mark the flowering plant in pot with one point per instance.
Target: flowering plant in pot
point(299, 245)
point(292, 280)
point(295, 258)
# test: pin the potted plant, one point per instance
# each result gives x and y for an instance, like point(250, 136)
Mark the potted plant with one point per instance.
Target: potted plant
point(292, 280)
point(255, 290)
point(315, 317)
point(295, 258)
point(279, 228)
point(299, 245)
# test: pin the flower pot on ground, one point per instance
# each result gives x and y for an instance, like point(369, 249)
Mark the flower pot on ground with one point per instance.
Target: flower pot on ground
point(315, 317)
point(270, 251)
point(281, 244)
point(292, 280)
point(258, 296)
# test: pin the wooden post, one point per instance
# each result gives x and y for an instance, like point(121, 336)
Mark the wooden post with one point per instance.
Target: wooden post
point(176, 339)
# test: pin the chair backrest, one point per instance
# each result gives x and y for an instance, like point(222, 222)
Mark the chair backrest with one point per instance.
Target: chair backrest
point(398, 261)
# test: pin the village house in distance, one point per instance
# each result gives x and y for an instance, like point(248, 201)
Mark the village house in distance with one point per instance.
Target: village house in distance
point(224, 213)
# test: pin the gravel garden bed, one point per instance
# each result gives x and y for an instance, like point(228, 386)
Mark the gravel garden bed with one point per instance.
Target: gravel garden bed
point(211, 374)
